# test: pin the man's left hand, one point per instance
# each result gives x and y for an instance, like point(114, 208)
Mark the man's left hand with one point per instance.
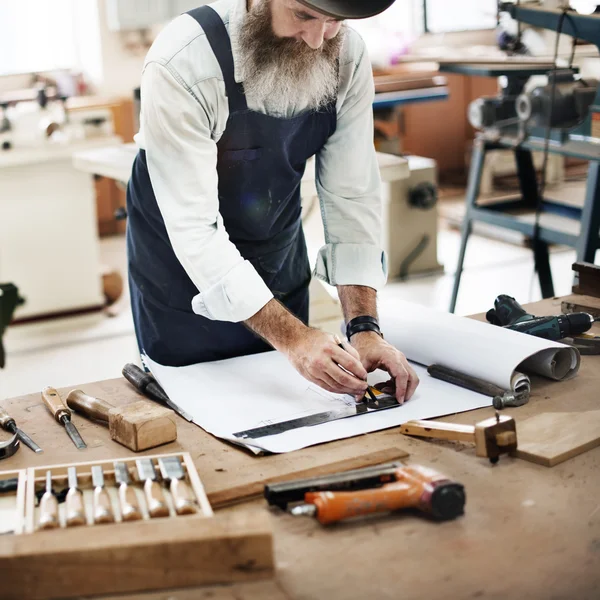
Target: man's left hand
point(375, 353)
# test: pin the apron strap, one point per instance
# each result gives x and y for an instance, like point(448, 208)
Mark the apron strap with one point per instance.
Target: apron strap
point(219, 41)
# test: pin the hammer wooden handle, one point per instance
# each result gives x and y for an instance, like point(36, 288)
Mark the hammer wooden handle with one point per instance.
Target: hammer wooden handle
point(75, 508)
point(93, 408)
point(183, 498)
point(102, 506)
point(155, 499)
point(130, 511)
point(55, 404)
point(48, 512)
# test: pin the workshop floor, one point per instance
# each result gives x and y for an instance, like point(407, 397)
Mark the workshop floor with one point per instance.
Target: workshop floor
point(94, 347)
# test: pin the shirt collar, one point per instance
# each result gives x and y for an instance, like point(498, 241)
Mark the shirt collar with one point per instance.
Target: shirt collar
point(236, 20)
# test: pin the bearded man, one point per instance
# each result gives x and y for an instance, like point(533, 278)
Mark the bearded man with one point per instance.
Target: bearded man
point(236, 97)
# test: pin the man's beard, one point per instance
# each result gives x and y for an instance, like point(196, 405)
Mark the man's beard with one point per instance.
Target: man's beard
point(285, 74)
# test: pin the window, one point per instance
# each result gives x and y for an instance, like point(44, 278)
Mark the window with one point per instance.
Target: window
point(37, 35)
point(442, 16)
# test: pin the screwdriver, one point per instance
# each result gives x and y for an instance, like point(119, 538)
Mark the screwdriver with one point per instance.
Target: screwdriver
point(130, 511)
point(102, 507)
point(48, 506)
point(74, 501)
point(183, 497)
point(155, 500)
point(8, 423)
point(62, 414)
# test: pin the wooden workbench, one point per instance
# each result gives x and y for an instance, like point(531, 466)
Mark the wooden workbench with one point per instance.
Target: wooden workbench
point(528, 532)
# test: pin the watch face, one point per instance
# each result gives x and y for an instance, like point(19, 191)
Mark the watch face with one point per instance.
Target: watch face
point(349, 9)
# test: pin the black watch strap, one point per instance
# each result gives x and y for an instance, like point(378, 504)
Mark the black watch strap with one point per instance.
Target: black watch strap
point(361, 324)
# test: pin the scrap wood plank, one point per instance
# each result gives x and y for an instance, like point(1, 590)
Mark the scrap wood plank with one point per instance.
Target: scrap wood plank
point(551, 438)
point(579, 303)
point(252, 489)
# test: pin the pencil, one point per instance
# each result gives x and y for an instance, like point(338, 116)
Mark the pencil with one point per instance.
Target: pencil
point(369, 391)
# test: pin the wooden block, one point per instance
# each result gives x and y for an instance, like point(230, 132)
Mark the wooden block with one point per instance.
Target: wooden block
point(551, 438)
point(140, 556)
point(587, 279)
point(578, 303)
point(248, 491)
point(142, 425)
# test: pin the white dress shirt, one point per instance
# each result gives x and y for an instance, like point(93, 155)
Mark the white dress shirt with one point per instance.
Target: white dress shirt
point(184, 112)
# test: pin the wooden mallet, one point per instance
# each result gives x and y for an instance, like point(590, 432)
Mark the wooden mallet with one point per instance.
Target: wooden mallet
point(137, 426)
point(492, 437)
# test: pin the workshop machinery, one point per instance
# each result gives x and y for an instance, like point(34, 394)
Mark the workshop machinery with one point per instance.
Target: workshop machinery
point(9, 300)
point(561, 117)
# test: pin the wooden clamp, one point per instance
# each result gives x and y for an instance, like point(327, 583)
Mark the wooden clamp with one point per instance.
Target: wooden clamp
point(492, 437)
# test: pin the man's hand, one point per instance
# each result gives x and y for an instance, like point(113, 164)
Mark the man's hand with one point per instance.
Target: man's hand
point(318, 358)
point(375, 353)
point(314, 354)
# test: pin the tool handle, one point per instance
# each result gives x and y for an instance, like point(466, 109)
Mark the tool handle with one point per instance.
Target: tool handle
point(48, 512)
point(130, 510)
point(155, 499)
point(439, 430)
point(465, 381)
point(75, 508)
point(5, 419)
point(183, 498)
point(93, 408)
point(145, 384)
point(55, 404)
point(102, 506)
point(338, 506)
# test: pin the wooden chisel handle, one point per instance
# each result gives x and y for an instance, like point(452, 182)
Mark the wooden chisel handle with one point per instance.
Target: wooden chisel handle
point(88, 406)
point(130, 510)
point(75, 508)
point(55, 404)
point(155, 499)
point(5, 418)
point(102, 506)
point(183, 498)
point(48, 512)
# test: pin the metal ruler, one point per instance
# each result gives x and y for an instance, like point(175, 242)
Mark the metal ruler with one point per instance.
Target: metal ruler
point(363, 408)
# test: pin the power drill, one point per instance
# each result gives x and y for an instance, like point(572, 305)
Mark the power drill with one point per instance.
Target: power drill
point(510, 314)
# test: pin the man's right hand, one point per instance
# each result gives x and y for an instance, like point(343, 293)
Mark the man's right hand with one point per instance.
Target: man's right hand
point(314, 354)
point(318, 358)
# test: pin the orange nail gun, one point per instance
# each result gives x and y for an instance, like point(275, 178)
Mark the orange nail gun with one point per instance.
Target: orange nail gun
point(373, 490)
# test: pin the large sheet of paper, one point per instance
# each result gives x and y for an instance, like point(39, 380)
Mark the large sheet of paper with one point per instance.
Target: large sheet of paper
point(244, 393)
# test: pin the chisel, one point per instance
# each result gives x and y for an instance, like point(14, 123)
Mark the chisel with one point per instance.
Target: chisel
point(9, 424)
point(147, 385)
point(74, 501)
point(171, 470)
point(157, 507)
point(102, 507)
point(48, 506)
point(62, 414)
point(130, 511)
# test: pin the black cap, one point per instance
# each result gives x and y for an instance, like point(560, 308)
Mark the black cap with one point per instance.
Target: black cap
point(349, 9)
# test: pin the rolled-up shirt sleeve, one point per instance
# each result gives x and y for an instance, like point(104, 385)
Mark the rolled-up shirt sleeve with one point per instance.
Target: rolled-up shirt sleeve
point(182, 163)
point(349, 187)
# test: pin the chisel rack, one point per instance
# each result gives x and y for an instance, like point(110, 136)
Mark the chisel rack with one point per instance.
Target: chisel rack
point(119, 526)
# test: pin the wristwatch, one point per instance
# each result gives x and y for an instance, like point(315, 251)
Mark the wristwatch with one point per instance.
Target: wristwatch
point(360, 324)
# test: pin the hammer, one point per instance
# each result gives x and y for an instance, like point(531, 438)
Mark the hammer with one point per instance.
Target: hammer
point(501, 398)
point(137, 426)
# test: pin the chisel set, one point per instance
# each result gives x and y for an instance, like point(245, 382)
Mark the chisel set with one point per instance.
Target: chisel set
point(118, 491)
point(121, 526)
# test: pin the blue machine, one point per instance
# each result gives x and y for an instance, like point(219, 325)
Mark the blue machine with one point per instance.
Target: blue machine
point(562, 118)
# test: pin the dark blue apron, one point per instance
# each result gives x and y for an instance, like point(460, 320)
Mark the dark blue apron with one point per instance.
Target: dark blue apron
point(261, 161)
